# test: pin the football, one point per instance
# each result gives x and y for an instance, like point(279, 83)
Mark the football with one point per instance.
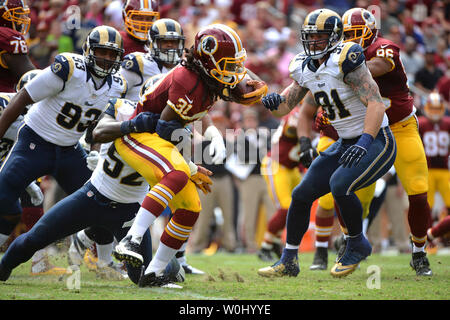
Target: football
point(242, 88)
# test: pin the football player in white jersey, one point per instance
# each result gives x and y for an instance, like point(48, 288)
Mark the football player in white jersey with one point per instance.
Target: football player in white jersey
point(338, 78)
point(164, 52)
point(109, 199)
point(67, 97)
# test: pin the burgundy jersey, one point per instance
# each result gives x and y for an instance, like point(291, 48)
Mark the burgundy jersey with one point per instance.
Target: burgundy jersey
point(436, 140)
point(285, 148)
point(11, 42)
point(393, 85)
point(131, 44)
point(182, 90)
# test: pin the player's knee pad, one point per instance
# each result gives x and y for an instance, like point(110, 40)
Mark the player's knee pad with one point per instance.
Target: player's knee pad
point(179, 228)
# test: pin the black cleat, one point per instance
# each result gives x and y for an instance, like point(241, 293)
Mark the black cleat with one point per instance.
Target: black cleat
point(420, 263)
point(4, 273)
point(151, 280)
point(128, 251)
point(320, 261)
point(266, 255)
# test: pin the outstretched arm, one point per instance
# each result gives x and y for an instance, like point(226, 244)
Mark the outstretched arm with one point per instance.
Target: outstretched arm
point(281, 105)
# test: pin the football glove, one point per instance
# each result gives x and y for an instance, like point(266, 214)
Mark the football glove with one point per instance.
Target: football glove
point(272, 101)
point(307, 152)
point(217, 149)
point(35, 193)
point(201, 177)
point(92, 160)
point(353, 155)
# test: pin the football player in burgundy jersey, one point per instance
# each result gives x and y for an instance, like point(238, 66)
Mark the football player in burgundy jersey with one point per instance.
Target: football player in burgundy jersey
point(212, 67)
point(383, 61)
point(138, 17)
point(14, 60)
point(434, 130)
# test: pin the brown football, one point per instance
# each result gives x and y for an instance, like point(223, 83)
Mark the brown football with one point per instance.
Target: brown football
point(241, 88)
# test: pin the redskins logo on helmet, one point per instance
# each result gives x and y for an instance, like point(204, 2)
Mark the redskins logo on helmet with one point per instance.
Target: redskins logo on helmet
point(138, 16)
point(434, 108)
point(360, 26)
point(14, 15)
point(321, 21)
point(219, 52)
point(103, 37)
point(166, 41)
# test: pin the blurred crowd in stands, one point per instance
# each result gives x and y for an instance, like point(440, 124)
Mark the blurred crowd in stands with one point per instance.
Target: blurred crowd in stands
point(270, 32)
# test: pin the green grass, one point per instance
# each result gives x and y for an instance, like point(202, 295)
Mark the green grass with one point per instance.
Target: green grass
point(234, 277)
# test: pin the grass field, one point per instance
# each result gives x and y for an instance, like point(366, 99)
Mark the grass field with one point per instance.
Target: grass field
point(234, 277)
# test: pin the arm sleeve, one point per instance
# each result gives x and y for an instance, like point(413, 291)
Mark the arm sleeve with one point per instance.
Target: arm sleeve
point(45, 84)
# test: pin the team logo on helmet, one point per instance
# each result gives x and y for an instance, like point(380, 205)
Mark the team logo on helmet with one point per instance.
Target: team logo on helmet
point(209, 45)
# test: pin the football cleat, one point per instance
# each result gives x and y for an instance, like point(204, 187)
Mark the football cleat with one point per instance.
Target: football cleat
point(4, 273)
point(280, 269)
point(265, 255)
point(188, 269)
point(355, 251)
point(320, 261)
point(339, 244)
point(151, 280)
point(128, 251)
point(420, 263)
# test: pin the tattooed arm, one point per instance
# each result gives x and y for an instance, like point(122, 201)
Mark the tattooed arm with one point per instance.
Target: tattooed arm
point(362, 83)
point(306, 116)
point(292, 96)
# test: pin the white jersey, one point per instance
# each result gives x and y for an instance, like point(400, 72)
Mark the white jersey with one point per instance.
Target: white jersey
point(113, 177)
point(344, 109)
point(137, 68)
point(7, 141)
point(63, 117)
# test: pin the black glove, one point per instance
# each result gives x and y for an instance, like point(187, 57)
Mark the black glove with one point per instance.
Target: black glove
point(272, 101)
point(143, 122)
point(307, 152)
point(353, 155)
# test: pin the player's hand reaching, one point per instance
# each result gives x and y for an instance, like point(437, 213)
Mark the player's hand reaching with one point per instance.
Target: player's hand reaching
point(353, 155)
point(307, 152)
point(272, 101)
point(143, 122)
point(202, 179)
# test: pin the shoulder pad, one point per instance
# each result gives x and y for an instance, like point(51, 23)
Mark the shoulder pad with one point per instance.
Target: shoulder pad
point(63, 66)
point(120, 109)
point(298, 61)
point(121, 82)
point(134, 62)
point(351, 57)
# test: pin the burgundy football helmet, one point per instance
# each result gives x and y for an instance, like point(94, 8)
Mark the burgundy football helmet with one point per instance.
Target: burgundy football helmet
point(360, 26)
point(138, 17)
point(219, 52)
point(14, 14)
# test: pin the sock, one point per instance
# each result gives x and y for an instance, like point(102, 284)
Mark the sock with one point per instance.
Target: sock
point(278, 221)
point(419, 218)
point(104, 254)
point(85, 240)
point(297, 222)
point(418, 249)
point(180, 255)
point(324, 226)
point(3, 239)
point(269, 240)
point(144, 219)
point(161, 259)
point(321, 244)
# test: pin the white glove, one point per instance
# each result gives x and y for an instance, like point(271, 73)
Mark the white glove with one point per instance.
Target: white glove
point(35, 193)
point(217, 145)
point(379, 187)
point(92, 160)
